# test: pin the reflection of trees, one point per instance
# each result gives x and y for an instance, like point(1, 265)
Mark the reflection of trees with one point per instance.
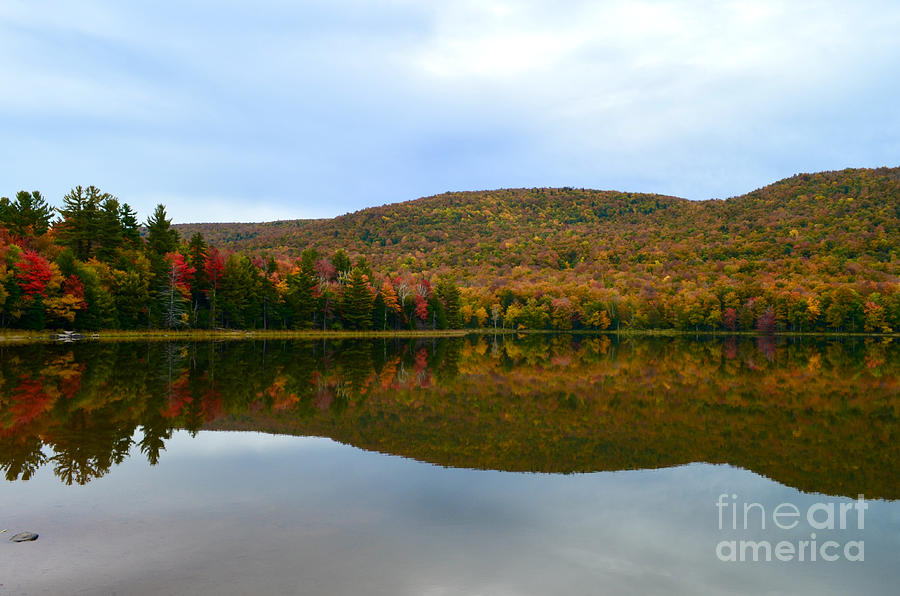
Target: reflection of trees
point(156, 432)
point(87, 447)
point(818, 415)
point(23, 455)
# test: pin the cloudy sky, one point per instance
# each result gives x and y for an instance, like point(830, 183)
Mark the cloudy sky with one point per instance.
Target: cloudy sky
point(250, 111)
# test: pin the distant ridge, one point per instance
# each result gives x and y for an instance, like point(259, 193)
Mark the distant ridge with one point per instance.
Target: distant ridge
point(848, 214)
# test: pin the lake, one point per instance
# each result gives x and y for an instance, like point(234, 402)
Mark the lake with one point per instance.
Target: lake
point(534, 464)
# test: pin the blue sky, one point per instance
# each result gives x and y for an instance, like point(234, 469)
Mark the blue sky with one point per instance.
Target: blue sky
point(274, 109)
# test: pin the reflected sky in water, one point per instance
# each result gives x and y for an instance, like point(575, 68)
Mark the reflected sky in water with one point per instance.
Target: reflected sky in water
point(239, 513)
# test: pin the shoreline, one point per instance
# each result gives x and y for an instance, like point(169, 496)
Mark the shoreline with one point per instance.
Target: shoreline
point(50, 336)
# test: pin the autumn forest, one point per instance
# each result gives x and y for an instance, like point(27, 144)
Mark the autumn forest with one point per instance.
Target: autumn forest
point(811, 253)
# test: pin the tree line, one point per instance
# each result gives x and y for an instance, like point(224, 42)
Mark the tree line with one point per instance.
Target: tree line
point(91, 264)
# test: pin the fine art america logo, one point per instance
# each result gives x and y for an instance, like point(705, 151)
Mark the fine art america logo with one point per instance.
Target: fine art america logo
point(815, 525)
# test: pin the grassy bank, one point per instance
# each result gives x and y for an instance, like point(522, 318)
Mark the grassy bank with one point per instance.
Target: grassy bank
point(12, 336)
point(21, 336)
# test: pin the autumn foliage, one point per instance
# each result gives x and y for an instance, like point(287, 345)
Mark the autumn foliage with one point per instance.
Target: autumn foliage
point(33, 273)
point(811, 253)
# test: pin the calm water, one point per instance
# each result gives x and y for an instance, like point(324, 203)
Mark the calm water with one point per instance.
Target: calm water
point(534, 465)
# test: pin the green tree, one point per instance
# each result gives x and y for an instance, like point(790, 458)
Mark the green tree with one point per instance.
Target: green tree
point(162, 238)
point(449, 294)
point(109, 229)
point(132, 295)
point(844, 310)
point(80, 228)
point(437, 314)
point(238, 291)
point(308, 260)
point(341, 261)
point(299, 296)
point(356, 301)
point(534, 314)
point(131, 228)
point(28, 215)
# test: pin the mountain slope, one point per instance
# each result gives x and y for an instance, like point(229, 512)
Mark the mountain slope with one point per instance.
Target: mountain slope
point(822, 219)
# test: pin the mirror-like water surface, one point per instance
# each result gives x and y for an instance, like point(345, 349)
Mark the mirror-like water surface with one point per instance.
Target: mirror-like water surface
point(110, 454)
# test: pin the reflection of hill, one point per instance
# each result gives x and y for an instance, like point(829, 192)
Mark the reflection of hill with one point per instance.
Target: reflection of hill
point(819, 417)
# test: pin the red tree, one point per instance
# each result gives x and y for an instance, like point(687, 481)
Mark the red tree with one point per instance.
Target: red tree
point(183, 271)
point(34, 273)
point(73, 287)
point(766, 321)
point(730, 319)
point(325, 270)
point(421, 307)
point(214, 266)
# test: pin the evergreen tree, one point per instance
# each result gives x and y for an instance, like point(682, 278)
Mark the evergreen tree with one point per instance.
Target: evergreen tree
point(449, 295)
point(80, 229)
point(7, 213)
point(162, 238)
point(28, 215)
point(129, 222)
point(300, 298)
point(197, 253)
point(267, 296)
point(356, 301)
point(379, 313)
point(132, 295)
point(308, 260)
point(437, 315)
point(109, 228)
point(238, 290)
point(341, 261)
point(363, 266)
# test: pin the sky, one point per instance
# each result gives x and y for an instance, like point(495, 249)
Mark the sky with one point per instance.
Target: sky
point(280, 109)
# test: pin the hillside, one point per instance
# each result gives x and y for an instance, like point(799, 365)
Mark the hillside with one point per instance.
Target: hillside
point(826, 218)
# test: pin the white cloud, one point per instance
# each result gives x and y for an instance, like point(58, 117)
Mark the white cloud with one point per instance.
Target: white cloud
point(326, 107)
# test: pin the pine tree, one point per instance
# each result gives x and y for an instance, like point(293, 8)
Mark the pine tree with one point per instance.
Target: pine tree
point(28, 215)
point(449, 295)
point(238, 291)
point(299, 296)
point(437, 315)
point(81, 225)
point(308, 259)
point(363, 266)
point(379, 312)
point(130, 227)
point(356, 301)
point(109, 237)
point(162, 238)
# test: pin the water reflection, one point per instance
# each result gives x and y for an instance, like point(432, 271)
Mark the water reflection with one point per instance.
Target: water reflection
point(815, 415)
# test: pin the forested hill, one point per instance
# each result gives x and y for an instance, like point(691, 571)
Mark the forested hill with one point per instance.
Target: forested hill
point(815, 252)
point(827, 219)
